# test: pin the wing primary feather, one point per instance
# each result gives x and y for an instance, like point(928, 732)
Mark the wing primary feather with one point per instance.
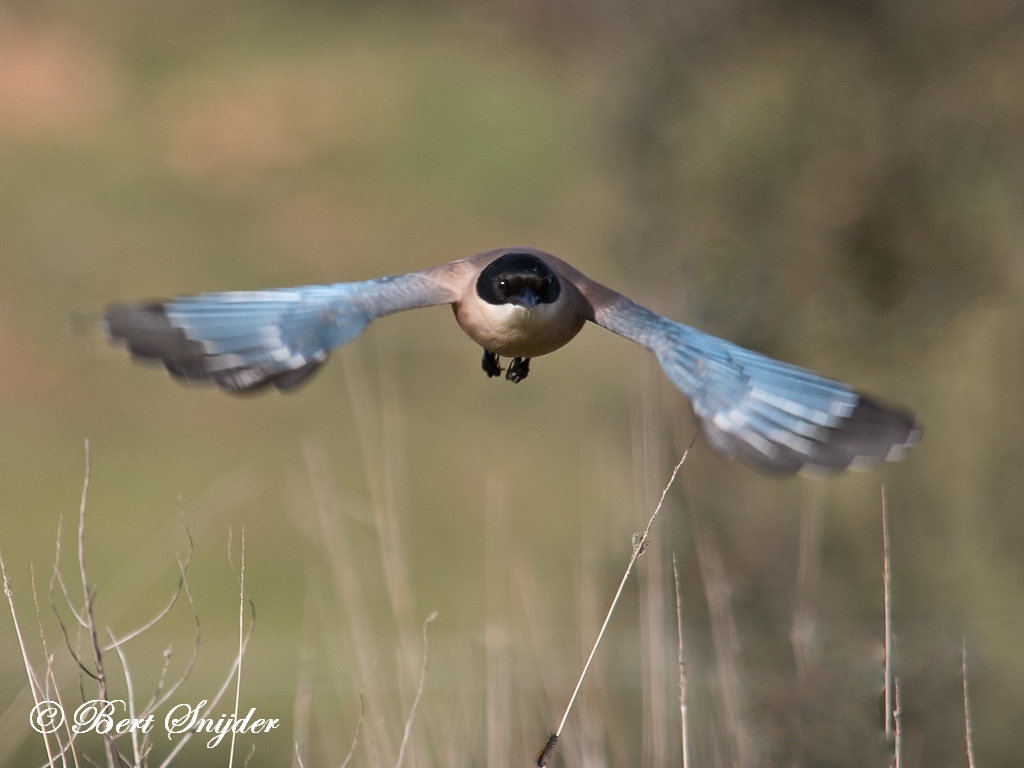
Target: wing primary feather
point(245, 341)
point(780, 418)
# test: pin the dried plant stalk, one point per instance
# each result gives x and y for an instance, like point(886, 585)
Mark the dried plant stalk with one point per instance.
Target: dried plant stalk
point(639, 543)
point(967, 705)
point(887, 580)
point(682, 666)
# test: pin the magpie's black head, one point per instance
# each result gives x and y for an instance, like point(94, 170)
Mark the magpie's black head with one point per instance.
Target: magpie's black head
point(518, 278)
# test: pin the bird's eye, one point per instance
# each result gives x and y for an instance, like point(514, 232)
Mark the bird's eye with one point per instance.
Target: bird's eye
point(502, 284)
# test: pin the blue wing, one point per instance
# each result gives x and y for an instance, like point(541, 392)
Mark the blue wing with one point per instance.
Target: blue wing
point(247, 340)
point(780, 418)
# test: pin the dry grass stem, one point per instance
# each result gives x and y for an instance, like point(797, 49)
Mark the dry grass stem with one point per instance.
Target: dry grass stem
point(33, 683)
point(639, 542)
point(382, 445)
point(117, 641)
point(499, 675)
point(655, 651)
point(332, 535)
point(967, 705)
point(887, 582)
point(241, 639)
point(897, 716)
point(726, 642)
point(159, 694)
point(52, 680)
point(90, 663)
point(99, 674)
point(682, 666)
point(355, 737)
point(808, 578)
point(303, 706)
point(137, 752)
point(419, 693)
point(236, 665)
point(551, 672)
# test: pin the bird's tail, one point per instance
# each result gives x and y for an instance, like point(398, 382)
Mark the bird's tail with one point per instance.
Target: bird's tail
point(779, 417)
point(242, 341)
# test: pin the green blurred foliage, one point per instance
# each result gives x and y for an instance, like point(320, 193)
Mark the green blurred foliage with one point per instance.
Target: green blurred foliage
point(835, 183)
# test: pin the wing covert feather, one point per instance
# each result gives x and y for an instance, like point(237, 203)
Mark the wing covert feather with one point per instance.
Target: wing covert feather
point(244, 341)
point(779, 417)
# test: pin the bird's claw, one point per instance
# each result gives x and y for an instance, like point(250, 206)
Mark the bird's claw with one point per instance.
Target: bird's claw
point(491, 364)
point(518, 369)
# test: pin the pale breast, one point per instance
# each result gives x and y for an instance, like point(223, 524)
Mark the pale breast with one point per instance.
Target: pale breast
point(514, 331)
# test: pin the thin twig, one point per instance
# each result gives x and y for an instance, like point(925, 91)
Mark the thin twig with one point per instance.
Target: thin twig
point(32, 683)
point(59, 577)
point(967, 705)
point(220, 693)
point(158, 699)
point(639, 542)
point(886, 578)
point(163, 611)
point(50, 678)
point(419, 694)
point(136, 752)
point(81, 527)
point(241, 641)
point(682, 665)
point(109, 748)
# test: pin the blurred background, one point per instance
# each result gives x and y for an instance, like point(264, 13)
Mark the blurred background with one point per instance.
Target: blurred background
point(838, 183)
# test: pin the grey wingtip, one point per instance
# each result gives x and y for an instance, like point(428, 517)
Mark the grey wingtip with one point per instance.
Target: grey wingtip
point(150, 337)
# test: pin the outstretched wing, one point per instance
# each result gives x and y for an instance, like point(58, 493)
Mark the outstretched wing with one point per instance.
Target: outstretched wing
point(246, 340)
point(780, 418)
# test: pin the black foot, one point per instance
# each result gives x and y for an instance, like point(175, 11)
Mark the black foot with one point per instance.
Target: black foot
point(518, 369)
point(491, 364)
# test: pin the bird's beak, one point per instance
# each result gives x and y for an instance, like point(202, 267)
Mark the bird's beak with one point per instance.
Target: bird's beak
point(527, 299)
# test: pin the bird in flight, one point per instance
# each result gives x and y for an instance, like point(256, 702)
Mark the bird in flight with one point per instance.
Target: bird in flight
point(521, 303)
